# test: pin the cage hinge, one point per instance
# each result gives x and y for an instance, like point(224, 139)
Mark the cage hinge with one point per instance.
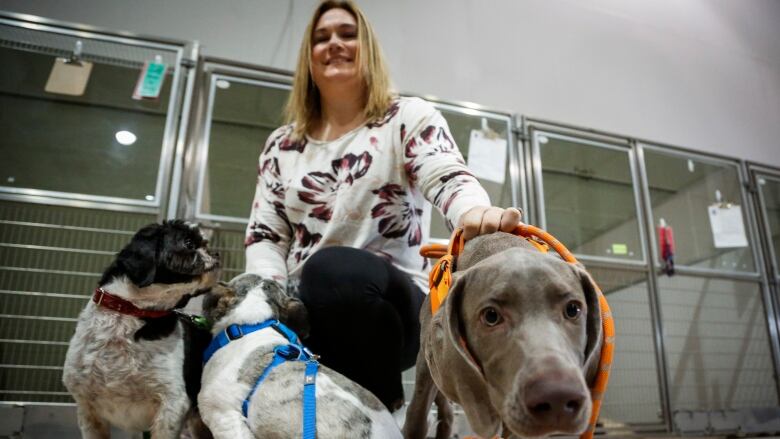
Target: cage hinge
point(751, 187)
point(520, 135)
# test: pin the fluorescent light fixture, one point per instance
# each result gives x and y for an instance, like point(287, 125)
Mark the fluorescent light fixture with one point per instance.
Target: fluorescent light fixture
point(125, 137)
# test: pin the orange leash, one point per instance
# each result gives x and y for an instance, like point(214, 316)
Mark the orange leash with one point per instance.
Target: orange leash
point(440, 279)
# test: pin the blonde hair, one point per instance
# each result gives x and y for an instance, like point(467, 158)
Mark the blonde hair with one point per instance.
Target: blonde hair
point(303, 104)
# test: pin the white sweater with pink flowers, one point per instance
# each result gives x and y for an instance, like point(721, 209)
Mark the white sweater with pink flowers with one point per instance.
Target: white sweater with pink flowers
point(366, 190)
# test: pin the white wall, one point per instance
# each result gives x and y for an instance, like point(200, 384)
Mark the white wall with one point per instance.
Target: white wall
point(703, 74)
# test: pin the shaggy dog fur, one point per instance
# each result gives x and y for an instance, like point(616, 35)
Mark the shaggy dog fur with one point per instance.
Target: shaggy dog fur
point(129, 371)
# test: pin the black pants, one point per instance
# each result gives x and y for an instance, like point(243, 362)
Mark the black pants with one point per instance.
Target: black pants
point(364, 318)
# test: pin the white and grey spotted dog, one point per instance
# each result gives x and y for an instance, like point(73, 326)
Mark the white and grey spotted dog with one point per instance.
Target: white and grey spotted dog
point(343, 408)
point(128, 359)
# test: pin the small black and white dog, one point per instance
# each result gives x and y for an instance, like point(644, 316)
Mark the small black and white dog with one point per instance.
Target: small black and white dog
point(127, 361)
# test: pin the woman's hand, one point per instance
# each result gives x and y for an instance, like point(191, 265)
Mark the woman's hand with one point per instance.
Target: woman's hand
point(480, 220)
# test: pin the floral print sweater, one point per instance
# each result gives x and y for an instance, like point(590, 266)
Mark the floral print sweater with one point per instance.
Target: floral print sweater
point(366, 189)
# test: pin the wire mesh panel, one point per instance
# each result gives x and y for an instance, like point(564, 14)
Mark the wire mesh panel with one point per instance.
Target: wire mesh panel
point(632, 396)
point(230, 245)
point(50, 261)
point(60, 44)
point(717, 344)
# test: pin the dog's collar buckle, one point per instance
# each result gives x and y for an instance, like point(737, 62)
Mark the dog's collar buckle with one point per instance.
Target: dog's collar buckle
point(233, 332)
point(440, 272)
point(439, 281)
point(312, 356)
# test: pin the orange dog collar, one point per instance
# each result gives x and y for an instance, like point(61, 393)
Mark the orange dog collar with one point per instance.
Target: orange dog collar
point(440, 280)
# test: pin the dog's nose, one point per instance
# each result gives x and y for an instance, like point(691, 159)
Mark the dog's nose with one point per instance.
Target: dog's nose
point(554, 399)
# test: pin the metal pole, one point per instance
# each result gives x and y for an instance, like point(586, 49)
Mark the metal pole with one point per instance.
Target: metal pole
point(181, 138)
point(653, 296)
point(755, 211)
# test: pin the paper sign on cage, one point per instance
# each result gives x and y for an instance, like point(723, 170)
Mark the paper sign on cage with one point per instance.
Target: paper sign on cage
point(728, 228)
point(487, 157)
point(68, 77)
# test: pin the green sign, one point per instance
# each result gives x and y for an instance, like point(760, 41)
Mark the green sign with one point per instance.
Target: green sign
point(152, 82)
point(619, 249)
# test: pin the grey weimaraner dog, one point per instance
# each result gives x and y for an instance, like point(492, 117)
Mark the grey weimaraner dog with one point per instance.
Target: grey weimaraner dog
point(515, 343)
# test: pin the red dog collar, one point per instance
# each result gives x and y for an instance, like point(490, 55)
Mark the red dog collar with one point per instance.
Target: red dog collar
point(122, 306)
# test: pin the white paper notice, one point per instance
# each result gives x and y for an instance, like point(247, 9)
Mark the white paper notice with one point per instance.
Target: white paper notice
point(728, 229)
point(487, 157)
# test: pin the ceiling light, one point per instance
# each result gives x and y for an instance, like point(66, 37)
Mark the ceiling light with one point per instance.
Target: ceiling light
point(223, 84)
point(149, 197)
point(125, 137)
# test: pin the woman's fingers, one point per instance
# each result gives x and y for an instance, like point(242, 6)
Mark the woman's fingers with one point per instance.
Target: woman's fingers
point(471, 221)
point(510, 217)
point(491, 220)
point(481, 220)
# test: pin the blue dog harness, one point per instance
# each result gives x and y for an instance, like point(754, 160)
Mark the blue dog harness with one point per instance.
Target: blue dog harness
point(293, 351)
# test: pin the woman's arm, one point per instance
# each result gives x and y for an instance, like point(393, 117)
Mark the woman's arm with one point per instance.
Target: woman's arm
point(435, 165)
point(268, 233)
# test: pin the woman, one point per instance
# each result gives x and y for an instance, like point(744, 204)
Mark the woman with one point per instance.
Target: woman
point(340, 213)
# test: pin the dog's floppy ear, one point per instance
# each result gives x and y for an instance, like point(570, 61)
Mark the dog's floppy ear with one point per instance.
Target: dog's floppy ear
point(139, 258)
point(218, 301)
point(594, 329)
point(465, 377)
point(295, 316)
point(289, 310)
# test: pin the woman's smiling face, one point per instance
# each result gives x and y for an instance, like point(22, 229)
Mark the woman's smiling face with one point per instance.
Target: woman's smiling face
point(335, 48)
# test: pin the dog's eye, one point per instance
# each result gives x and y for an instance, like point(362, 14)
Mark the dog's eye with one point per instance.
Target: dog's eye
point(491, 317)
point(572, 310)
point(190, 244)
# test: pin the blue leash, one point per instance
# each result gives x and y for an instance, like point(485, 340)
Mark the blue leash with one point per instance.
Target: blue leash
point(294, 351)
